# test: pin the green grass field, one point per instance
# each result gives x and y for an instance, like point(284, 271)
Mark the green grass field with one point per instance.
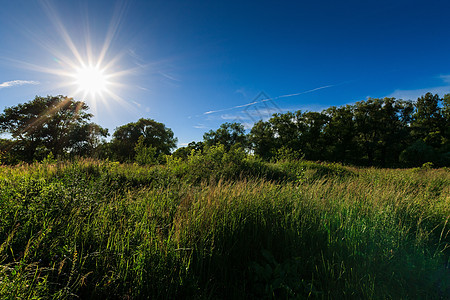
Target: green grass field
point(223, 228)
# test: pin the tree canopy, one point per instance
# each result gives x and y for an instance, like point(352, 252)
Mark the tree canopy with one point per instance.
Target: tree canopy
point(228, 135)
point(382, 132)
point(155, 134)
point(56, 124)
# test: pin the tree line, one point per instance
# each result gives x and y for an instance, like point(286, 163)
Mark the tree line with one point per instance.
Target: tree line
point(381, 132)
point(60, 127)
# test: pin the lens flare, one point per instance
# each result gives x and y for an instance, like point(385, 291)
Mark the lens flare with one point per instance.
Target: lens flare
point(91, 80)
point(83, 68)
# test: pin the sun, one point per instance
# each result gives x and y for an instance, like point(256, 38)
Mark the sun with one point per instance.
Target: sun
point(89, 71)
point(91, 80)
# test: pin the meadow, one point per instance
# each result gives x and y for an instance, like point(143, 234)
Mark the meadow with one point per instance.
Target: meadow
point(223, 226)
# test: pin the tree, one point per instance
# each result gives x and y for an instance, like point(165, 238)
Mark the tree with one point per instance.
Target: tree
point(366, 126)
point(50, 124)
point(155, 134)
point(184, 152)
point(144, 155)
point(312, 136)
point(417, 154)
point(340, 133)
point(228, 135)
point(262, 139)
point(287, 130)
point(429, 124)
point(87, 139)
point(394, 136)
point(446, 121)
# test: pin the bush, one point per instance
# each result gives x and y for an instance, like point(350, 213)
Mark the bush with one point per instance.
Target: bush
point(417, 154)
point(145, 155)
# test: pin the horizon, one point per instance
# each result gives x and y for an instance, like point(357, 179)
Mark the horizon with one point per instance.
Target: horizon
point(195, 66)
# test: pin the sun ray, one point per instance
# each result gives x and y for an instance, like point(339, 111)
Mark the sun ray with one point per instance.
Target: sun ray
point(80, 68)
point(113, 28)
point(54, 18)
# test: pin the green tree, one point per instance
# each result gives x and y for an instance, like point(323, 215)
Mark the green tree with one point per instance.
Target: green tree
point(155, 134)
point(429, 124)
point(417, 154)
point(312, 135)
point(50, 124)
point(340, 133)
point(287, 130)
point(229, 135)
point(145, 155)
point(446, 122)
point(262, 139)
point(382, 129)
point(184, 152)
point(395, 116)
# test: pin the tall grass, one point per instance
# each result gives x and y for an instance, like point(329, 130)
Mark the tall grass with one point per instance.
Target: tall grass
point(94, 229)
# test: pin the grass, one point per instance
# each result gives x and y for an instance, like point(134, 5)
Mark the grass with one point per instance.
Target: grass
point(288, 230)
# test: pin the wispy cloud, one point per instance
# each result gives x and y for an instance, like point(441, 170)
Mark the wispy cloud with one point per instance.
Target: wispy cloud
point(17, 83)
point(142, 88)
point(137, 59)
point(232, 116)
point(241, 91)
point(269, 99)
point(169, 76)
point(414, 94)
point(445, 78)
point(200, 126)
point(136, 103)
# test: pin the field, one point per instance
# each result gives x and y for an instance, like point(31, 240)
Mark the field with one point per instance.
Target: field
point(223, 227)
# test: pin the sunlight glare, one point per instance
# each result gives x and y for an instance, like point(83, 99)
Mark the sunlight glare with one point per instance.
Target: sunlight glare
point(91, 80)
point(85, 70)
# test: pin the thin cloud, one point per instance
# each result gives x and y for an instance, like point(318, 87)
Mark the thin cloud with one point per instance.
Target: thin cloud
point(231, 117)
point(269, 99)
point(414, 94)
point(445, 78)
point(136, 103)
point(200, 126)
point(17, 83)
point(168, 76)
point(242, 92)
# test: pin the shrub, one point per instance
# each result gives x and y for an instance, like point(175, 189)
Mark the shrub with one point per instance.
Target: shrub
point(145, 155)
point(417, 154)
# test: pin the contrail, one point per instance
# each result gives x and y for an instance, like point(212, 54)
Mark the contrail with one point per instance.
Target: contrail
point(269, 99)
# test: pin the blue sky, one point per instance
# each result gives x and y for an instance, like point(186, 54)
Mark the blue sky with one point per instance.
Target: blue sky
point(193, 65)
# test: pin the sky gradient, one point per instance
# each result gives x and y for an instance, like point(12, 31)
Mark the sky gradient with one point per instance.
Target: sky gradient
point(193, 65)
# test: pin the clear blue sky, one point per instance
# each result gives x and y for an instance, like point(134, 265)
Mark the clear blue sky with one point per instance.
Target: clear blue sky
point(174, 61)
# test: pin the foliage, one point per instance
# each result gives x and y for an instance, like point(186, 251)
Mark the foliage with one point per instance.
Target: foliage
point(99, 229)
point(211, 164)
point(429, 123)
point(155, 134)
point(262, 139)
point(50, 124)
point(144, 155)
point(418, 154)
point(287, 154)
point(183, 152)
point(375, 132)
point(382, 132)
point(229, 135)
